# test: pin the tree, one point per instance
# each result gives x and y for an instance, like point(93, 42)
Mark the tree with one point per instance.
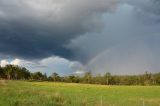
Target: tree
point(107, 78)
point(45, 76)
point(71, 78)
point(147, 78)
point(1, 72)
point(37, 76)
point(25, 74)
point(157, 78)
point(87, 77)
point(12, 72)
point(9, 71)
point(55, 76)
point(98, 79)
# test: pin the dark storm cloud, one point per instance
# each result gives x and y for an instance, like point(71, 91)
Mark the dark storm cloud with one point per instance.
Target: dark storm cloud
point(37, 29)
point(121, 36)
point(129, 42)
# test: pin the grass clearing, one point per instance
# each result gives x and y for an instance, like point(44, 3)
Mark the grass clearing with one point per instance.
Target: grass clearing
point(21, 93)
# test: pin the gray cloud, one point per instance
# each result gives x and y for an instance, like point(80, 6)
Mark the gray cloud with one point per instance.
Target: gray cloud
point(147, 6)
point(37, 29)
point(128, 44)
point(120, 36)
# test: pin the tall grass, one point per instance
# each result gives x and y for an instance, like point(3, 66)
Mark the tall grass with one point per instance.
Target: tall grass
point(20, 93)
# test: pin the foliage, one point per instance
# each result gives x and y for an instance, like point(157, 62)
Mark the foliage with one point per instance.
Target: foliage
point(12, 72)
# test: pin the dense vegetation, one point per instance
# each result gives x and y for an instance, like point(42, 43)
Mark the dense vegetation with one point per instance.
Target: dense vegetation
point(12, 72)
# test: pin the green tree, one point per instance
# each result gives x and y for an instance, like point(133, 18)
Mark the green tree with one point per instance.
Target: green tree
point(107, 78)
point(1, 72)
point(9, 71)
point(37, 76)
point(87, 77)
point(98, 79)
point(147, 78)
point(45, 76)
point(55, 76)
point(157, 78)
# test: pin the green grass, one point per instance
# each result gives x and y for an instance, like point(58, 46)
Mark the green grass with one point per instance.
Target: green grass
point(20, 93)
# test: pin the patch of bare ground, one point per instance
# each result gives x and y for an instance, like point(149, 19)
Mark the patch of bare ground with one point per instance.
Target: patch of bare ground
point(2, 82)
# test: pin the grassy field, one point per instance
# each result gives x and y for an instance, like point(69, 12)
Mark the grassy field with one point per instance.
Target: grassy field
point(20, 93)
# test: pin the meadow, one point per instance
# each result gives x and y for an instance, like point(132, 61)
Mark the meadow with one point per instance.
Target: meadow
point(24, 93)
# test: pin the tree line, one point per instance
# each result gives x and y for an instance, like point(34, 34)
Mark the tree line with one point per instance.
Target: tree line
point(12, 72)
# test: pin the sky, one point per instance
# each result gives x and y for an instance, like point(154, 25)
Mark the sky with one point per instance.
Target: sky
point(75, 36)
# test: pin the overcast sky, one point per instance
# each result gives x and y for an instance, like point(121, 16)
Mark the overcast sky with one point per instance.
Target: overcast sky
point(74, 36)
